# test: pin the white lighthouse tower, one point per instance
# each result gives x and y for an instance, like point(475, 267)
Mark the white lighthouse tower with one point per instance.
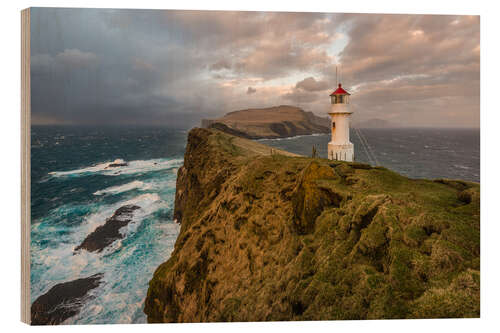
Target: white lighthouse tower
point(340, 148)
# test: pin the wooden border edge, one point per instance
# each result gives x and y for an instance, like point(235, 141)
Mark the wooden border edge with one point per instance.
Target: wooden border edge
point(25, 165)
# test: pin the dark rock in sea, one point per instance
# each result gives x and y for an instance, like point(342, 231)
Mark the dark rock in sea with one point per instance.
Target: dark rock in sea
point(62, 301)
point(109, 232)
point(116, 165)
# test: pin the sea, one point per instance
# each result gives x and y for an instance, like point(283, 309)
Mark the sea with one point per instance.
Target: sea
point(414, 152)
point(73, 191)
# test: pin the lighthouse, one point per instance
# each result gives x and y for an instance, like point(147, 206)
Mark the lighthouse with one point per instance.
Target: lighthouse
point(340, 148)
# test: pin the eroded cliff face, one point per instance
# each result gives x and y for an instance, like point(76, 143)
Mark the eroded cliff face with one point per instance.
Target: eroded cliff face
point(270, 236)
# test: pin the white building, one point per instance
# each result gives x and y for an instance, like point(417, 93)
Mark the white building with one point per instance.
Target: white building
point(340, 148)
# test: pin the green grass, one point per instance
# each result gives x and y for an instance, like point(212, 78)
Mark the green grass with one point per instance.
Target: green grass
point(298, 238)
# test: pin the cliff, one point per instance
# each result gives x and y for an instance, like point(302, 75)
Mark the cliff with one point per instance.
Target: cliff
point(266, 235)
point(274, 122)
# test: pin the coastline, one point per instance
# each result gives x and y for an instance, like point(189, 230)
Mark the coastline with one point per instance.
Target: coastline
point(270, 237)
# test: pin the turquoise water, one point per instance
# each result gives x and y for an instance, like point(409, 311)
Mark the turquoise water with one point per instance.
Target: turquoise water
point(73, 193)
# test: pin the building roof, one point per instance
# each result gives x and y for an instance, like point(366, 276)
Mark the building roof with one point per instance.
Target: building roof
point(340, 91)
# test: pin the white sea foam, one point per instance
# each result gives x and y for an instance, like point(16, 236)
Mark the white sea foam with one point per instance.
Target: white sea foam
point(132, 167)
point(61, 264)
point(91, 169)
point(149, 203)
point(127, 265)
point(458, 166)
point(122, 302)
point(136, 184)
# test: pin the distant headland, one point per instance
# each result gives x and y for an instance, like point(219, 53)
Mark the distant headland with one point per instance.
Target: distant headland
point(269, 123)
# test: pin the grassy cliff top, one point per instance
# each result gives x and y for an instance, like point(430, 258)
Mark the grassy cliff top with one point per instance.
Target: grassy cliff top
point(283, 237)
point(242, 148)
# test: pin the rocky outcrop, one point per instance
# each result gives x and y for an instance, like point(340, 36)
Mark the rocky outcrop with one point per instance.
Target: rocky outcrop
point(106, 234)
point(269, 236)
point(62, 301)
point(65, 300)
point(117, 163)
point(268, 123)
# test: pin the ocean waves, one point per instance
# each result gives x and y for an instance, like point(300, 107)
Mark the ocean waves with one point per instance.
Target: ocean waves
point(128, 263)
point(136, 184)
point(120, 167)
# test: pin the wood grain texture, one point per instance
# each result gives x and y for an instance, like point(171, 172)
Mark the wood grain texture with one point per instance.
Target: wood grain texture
point(25, 165)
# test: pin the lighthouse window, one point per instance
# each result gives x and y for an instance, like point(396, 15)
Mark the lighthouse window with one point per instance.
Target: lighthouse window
point(340, 99)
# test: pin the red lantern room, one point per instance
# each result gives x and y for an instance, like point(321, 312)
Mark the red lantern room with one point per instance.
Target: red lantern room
point(340, 96)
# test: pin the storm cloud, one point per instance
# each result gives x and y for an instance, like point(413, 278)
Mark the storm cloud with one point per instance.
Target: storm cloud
point(102, 66)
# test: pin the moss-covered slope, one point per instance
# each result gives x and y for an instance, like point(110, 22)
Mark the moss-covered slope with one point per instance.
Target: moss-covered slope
point(270, 236)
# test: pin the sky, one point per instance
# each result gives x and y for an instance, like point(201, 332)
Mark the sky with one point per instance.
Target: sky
point(173, 68)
